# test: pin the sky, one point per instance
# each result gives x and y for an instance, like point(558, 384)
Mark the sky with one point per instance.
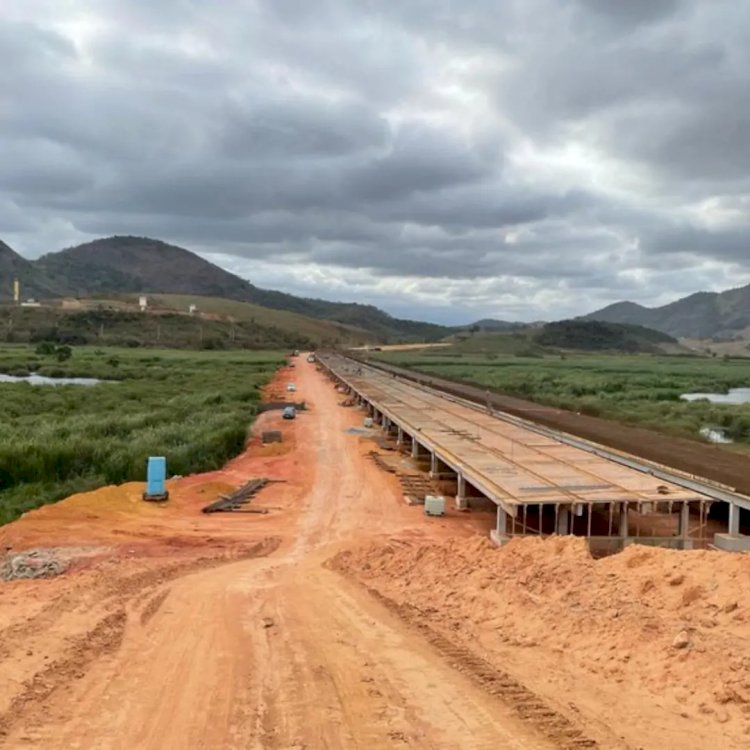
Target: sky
point(445, 160)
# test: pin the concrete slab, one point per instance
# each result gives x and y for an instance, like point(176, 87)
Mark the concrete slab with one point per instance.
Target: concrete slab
point(732, 542)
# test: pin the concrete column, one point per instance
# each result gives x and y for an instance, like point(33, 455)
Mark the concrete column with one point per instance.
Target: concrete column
point(433, 463)
point(499, 534)
point(415, 446)
point(734, 518)
point(501, 523)
point(623, 520)
point(684, 522)
point(399, 437)
point(461, 502)
point(563, 521)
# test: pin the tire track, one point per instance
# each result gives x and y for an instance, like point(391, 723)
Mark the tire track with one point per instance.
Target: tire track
point(527, 705)
point(103, 639)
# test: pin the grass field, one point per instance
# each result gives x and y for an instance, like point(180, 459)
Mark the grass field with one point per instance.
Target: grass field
point(635, 389)
point(192, 407)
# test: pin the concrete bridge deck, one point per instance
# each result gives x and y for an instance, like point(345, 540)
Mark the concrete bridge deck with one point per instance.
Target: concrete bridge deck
point(514, 467)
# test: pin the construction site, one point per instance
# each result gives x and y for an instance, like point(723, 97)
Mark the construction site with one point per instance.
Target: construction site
point(393, 566)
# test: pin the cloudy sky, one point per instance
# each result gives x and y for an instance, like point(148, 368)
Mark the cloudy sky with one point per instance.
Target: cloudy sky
point(444, 159)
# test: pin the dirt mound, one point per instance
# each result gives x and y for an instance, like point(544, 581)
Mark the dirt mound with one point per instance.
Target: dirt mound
point(672, 624)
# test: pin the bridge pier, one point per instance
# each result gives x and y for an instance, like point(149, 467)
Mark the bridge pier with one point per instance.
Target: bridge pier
point(462, 502)
point(499, 534)
point(563, 521)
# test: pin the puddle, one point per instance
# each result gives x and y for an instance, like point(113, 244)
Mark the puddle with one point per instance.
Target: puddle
point(735, 396)
point(43, 380)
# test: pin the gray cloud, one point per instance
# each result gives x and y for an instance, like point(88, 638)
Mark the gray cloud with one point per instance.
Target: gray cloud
point(525, 159)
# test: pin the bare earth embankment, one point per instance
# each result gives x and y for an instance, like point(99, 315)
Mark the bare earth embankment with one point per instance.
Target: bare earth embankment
point(651, 644)
point(343, 618)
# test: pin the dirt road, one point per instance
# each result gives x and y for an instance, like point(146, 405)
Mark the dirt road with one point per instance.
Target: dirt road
point(343, 618)
point(273, 651)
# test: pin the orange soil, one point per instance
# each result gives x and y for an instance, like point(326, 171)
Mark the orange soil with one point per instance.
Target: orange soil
point(177, 629)
point(652, 644)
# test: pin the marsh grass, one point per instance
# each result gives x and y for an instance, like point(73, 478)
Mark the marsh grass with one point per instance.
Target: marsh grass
point(635, 389)
point(195, 408)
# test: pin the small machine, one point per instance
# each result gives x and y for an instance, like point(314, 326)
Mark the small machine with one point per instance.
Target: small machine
point(156, 477)
point(289, 412)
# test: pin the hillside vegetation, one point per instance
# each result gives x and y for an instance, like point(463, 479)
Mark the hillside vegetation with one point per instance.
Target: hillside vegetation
point(595, 335)
point(580, 335)
point(322, 332)
point(121, 265)
point(104, 326)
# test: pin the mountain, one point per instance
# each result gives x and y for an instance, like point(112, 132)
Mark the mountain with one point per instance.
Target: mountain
point(138, 264)
point(597, 335)
point(13, 266)
point(700, 315)
point(116, 265)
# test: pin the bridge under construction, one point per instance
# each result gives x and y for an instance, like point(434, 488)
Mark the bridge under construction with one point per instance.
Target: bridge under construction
point(539, 480)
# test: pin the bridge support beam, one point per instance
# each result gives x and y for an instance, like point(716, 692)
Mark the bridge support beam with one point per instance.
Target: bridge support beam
point(623, 530)
point(563, 521)
point(499, 534)
point(462, 502)
point(734, 519)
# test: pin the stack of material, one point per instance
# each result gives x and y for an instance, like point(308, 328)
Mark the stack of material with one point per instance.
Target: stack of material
point(240, 497)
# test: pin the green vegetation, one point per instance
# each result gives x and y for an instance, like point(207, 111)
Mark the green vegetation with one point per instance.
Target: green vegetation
point(520, 344)
point(324, 333)
point(595, 335)
point(581, 335)
point(116, 265)
point(192, 407)
point(638, 389)
point(106, 327)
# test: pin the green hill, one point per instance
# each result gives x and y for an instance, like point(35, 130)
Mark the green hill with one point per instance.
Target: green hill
point(595, 335)
point(121, 265)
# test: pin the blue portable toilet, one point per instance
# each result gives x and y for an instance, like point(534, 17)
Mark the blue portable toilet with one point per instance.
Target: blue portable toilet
point(156, 476)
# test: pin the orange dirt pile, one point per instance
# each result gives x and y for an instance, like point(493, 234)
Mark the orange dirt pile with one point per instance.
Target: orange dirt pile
point(672, 628)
